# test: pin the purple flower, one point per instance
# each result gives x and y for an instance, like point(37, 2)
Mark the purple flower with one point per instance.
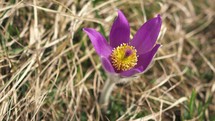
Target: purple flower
point(122, 56)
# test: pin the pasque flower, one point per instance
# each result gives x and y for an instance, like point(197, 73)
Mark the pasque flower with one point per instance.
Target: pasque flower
point(125, 56)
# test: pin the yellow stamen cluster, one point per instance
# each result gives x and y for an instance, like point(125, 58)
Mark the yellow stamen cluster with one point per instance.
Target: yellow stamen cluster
point(124, 57)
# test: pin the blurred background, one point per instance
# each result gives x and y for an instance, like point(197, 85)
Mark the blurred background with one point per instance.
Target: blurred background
point(50, 71)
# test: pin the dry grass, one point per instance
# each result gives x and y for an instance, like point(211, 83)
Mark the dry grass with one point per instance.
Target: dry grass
point(49, 69)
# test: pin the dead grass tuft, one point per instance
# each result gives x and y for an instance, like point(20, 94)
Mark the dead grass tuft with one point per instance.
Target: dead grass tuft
point(49, 70)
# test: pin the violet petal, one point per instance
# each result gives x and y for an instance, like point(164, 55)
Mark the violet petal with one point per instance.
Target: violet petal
point(99, 42)
point(130, 72)
point(146, 36)
point(107, 65)
point(143, 62)
point(120, 31)
point(145, 59)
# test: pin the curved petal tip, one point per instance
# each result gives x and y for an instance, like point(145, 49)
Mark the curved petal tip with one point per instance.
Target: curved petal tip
point(159, 20)
point(120, 30)
point(147, 35)
point(99, 42)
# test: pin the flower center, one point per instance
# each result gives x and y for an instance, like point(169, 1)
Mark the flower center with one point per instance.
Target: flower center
point(124, 57)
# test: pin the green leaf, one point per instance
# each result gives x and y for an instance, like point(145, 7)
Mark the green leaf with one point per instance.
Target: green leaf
point(192, 104)
point(12, 30)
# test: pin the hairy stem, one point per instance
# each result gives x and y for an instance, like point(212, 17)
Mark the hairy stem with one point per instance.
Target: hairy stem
point(106, 92)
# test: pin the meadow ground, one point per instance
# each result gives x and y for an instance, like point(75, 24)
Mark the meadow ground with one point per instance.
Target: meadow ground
point(49, 69)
